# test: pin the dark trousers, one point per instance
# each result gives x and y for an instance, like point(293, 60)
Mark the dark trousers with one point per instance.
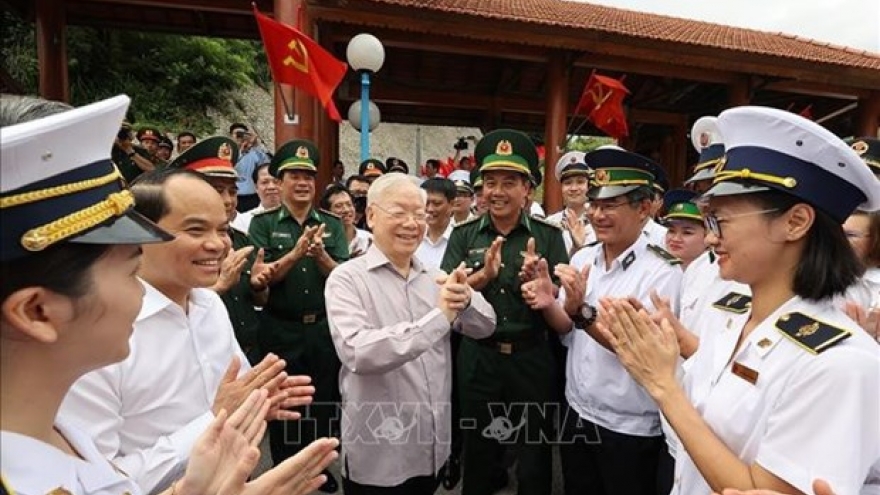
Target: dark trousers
point(247, 202)
point(598, 461)
point(506, 402)
point(308, 350)
point(419, 485)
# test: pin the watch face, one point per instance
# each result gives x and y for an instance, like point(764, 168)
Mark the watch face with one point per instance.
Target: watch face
point(586, 311)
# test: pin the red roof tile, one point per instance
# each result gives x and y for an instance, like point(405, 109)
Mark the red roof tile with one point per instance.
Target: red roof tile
point(600, 18)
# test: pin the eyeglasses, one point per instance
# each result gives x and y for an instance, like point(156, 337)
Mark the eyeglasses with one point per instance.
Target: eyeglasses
point(713, 222)
point(606, 207)
point(401, 216)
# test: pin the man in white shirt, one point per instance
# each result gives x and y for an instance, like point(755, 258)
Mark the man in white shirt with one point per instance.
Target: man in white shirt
point(441, 195)
point(611, 436)
point(269, 193)
point(146, 412)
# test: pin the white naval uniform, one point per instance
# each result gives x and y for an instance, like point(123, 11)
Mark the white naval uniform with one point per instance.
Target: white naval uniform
point(701, 287)
point(146, 412)
point(31, 467)
point(558, 219)
point(597, 386)
point(806, 415)
point(656, 233)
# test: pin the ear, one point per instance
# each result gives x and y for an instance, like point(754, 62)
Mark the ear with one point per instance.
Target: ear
point(36, 313)
point(799, 219)
point(646, 208)
point(371, 215)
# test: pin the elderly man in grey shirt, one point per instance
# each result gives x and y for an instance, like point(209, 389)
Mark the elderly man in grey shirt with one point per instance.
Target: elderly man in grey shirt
point(390, 318)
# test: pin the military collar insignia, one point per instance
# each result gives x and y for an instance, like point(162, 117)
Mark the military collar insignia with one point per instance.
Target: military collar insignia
point(628, 260)
point(734, 302)
point(860, 147)
point(810, 334)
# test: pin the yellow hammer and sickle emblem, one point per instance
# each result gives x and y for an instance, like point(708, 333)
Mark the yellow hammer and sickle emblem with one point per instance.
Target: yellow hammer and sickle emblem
point(301, 62)
point(599, 96)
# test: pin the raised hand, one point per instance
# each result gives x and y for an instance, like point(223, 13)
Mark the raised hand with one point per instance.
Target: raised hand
point(687, 341)
point(538, 293)
point(492, 259)
point(230, 269)
point(455, 293)
point(574, 282)
point(869, 319)
point(261, 272)
point(576, 227)
point(530, 261)
point(303, 243)
point(316, 245)
point(294, 391)
point(298, 475)
point(268, 374)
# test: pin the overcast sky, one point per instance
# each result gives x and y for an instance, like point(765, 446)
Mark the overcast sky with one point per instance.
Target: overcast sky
point(854, 23)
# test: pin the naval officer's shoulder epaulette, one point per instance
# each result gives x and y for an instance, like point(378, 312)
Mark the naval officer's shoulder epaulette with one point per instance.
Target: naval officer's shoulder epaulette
point(469, 221)
point(734, 302)
point(267, 211)
point(666, 255)
point(810, 334)
point(591, 244)
point(546, 222)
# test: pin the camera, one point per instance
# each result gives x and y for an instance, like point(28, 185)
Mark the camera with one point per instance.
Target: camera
point(461, 144)
point(360, 204)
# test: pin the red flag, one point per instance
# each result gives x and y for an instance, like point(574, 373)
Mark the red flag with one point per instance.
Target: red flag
point(602, 102)
point(296, 59)
point(807, 112)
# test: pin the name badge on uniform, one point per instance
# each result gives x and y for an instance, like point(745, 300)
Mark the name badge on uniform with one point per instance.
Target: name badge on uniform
point(285, 235)
point(745, 373)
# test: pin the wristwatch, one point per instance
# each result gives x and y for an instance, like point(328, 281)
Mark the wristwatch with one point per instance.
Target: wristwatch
point(585, 316)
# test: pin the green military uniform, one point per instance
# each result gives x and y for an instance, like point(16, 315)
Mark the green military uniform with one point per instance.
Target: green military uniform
point(127, 167)
point(294, 319)
point(516, 365)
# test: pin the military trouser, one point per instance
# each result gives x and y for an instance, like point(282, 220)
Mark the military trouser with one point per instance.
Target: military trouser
point(308, 350)
point(507, 394)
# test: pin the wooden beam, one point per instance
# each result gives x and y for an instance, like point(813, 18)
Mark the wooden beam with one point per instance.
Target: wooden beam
point(234, 7)
point(51, 28)
point(649, 68)
point(868, 116)
point(397, 95)
point(819, 90)
point(643, 116)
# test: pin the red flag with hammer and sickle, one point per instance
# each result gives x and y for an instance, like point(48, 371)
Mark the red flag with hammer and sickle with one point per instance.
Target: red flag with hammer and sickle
point(602, 102)
point(296, 59)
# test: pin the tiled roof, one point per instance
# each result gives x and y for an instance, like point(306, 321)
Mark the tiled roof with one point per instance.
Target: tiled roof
point(569, 14)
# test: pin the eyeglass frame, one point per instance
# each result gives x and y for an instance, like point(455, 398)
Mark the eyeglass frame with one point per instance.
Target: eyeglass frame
point(710, 220)
point(591, 208)
point(402, 216)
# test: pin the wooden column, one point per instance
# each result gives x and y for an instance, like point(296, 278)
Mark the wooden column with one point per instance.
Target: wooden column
point(867, 121)
point(554, 128)
point(51, 23)
point(288, 11)
point(739, 92)
point(328, 146)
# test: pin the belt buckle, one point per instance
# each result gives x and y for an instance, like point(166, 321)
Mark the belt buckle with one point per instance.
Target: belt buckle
point(505, 348)
point(310, 318)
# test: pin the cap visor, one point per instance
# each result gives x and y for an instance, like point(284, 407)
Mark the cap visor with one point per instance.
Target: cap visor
point(706, 173)
point(130, 228)
point(604, 192)
point(731, 189)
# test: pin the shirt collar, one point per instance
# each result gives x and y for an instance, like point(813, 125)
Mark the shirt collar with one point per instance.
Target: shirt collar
point(524, 220)
point(284, 212)
point(375, 258)
point(156, 302)
point(627, 257)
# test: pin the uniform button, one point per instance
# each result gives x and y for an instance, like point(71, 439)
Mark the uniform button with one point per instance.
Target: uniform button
point(306, 291)
point(502, 291)
point(304, 269)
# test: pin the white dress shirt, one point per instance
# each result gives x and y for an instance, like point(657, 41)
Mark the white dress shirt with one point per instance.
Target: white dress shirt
point(803, 416)
point(146, 412)
point(361, 242)
point(558, 218)
point(431, 253)
point(702, 287)
point(597, 386)
point(396, 376)
point(31, 467)
point(656, 233)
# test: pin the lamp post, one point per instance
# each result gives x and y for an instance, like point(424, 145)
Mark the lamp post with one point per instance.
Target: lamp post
point(365, 55)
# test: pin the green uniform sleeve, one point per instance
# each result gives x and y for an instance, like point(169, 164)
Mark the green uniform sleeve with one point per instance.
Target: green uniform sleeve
point(260, 232)
point(456, 250)
point(555, 252)
point(339, 250)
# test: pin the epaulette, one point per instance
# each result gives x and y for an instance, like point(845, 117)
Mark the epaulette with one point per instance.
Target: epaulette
point(268, 210)
point(809, 333)
point(467, 222)
point(666, 255)
point(591, 244)
point(546, 222)
point(734, 302)
point(329, 213)
point(238, 230)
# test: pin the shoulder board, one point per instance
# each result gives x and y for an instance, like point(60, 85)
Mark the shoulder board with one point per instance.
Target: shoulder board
point(270, 210)
point(329, 214)
point(666, 255)
point(594, 243)
point(467, 222)
point(810, 334)
point(546, 222)
point(238, 231)
point(734, 302)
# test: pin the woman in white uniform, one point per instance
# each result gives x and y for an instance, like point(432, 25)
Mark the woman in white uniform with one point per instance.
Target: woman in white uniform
point(684, 226)
point(782, 390)
point(69, 256)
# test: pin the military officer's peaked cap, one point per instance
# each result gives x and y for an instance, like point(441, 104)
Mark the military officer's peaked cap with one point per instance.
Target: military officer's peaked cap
point(679, 204)
point(149, 133)
point(508, 150)
point(771, 149)
point(299, 154)
point(869, 149)
point(462, 181)
point(214, 157)
point(476, 179)
point(58, 184)
point(709, 143)
point(617, 172)
point(371, 167)
point(572, 164)
point(396, 165)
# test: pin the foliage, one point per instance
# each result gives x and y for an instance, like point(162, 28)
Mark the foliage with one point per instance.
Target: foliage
point(171, 79)
point(587, 143)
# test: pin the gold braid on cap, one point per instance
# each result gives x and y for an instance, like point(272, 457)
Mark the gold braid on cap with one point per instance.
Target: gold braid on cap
point(62, 190)
point(39, 238)
point(726, 175)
